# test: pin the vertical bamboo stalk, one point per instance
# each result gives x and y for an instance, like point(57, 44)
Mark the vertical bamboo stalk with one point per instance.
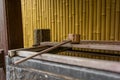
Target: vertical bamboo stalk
point(73, 17)
point(36, 14)
point(119, 23)
point(84, 19)
point(27, 40)
point(55, 19)
point(108, 17)
point(29, 19)
point(87, 20)
point(67, 19)
point(40, 13)
point(81, 17)
point(64, 12)
point(112, 30)
point(60, 18)
point(46, 13)
point(25, 23)
point(70, 16)
point(76, 16)
point(63, 18)
point(103, 22)
point(33, 20)
point(117, 20)
point(52, 19)
point(49, 19)
point(98, 19)
point(90, 19)
point(95, 20)
point(48, 8)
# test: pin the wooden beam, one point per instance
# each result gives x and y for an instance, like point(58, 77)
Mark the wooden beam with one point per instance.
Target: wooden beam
point(84, 62)
point(96, 46)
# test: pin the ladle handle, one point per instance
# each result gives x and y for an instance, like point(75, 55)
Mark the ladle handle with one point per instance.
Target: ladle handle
point(44, 51)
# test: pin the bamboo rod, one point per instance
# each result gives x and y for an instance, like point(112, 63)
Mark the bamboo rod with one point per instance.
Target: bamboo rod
point(40, 14)
point(98, 18)
point(70, 16)
point(55, 20)
point(44, 51)
point(103, 22)
point(87, 20)
point(63, 28)
point(29, 22)
point(81, 17)
point(42, 6)
point(73, 16)
point(117, 20)
point(36, 17)
point(95, 20)
point(119, 23)
point(49, 16)
point(112, 30)
point(84, 20)
point(52, 20)
point(60, 18)
point(67, 18)
point(48, 13)
point(90, 19)
point(108, 17)
point(32, 19)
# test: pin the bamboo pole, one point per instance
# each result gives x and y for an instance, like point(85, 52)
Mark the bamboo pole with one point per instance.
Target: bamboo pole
point(49, 16)
point(52, 20)
point(81, 17)
point(40, 14)
point(98, 19)
point(117, 20)
point(60, 17)
point(73, 17)
point(55, 20)
point(103, 22)
point(37, 21)
point(108, 17)
point(58, 20)
point(70, 16)
point(90, 19)
point(112, 30)
point(42, 52)
point(87, 20)
point(84, 20)
point(63, 17)
point(95, 20)
point(29, 8)
point(67, 18)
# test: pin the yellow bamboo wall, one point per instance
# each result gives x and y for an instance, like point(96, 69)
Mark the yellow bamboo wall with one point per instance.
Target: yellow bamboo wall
point(93, 19)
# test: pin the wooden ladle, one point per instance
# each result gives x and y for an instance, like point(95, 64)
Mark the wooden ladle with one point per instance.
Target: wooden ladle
point(42, 52)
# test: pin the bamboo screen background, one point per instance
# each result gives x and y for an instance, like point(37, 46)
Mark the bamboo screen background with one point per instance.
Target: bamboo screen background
point(92, 19)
